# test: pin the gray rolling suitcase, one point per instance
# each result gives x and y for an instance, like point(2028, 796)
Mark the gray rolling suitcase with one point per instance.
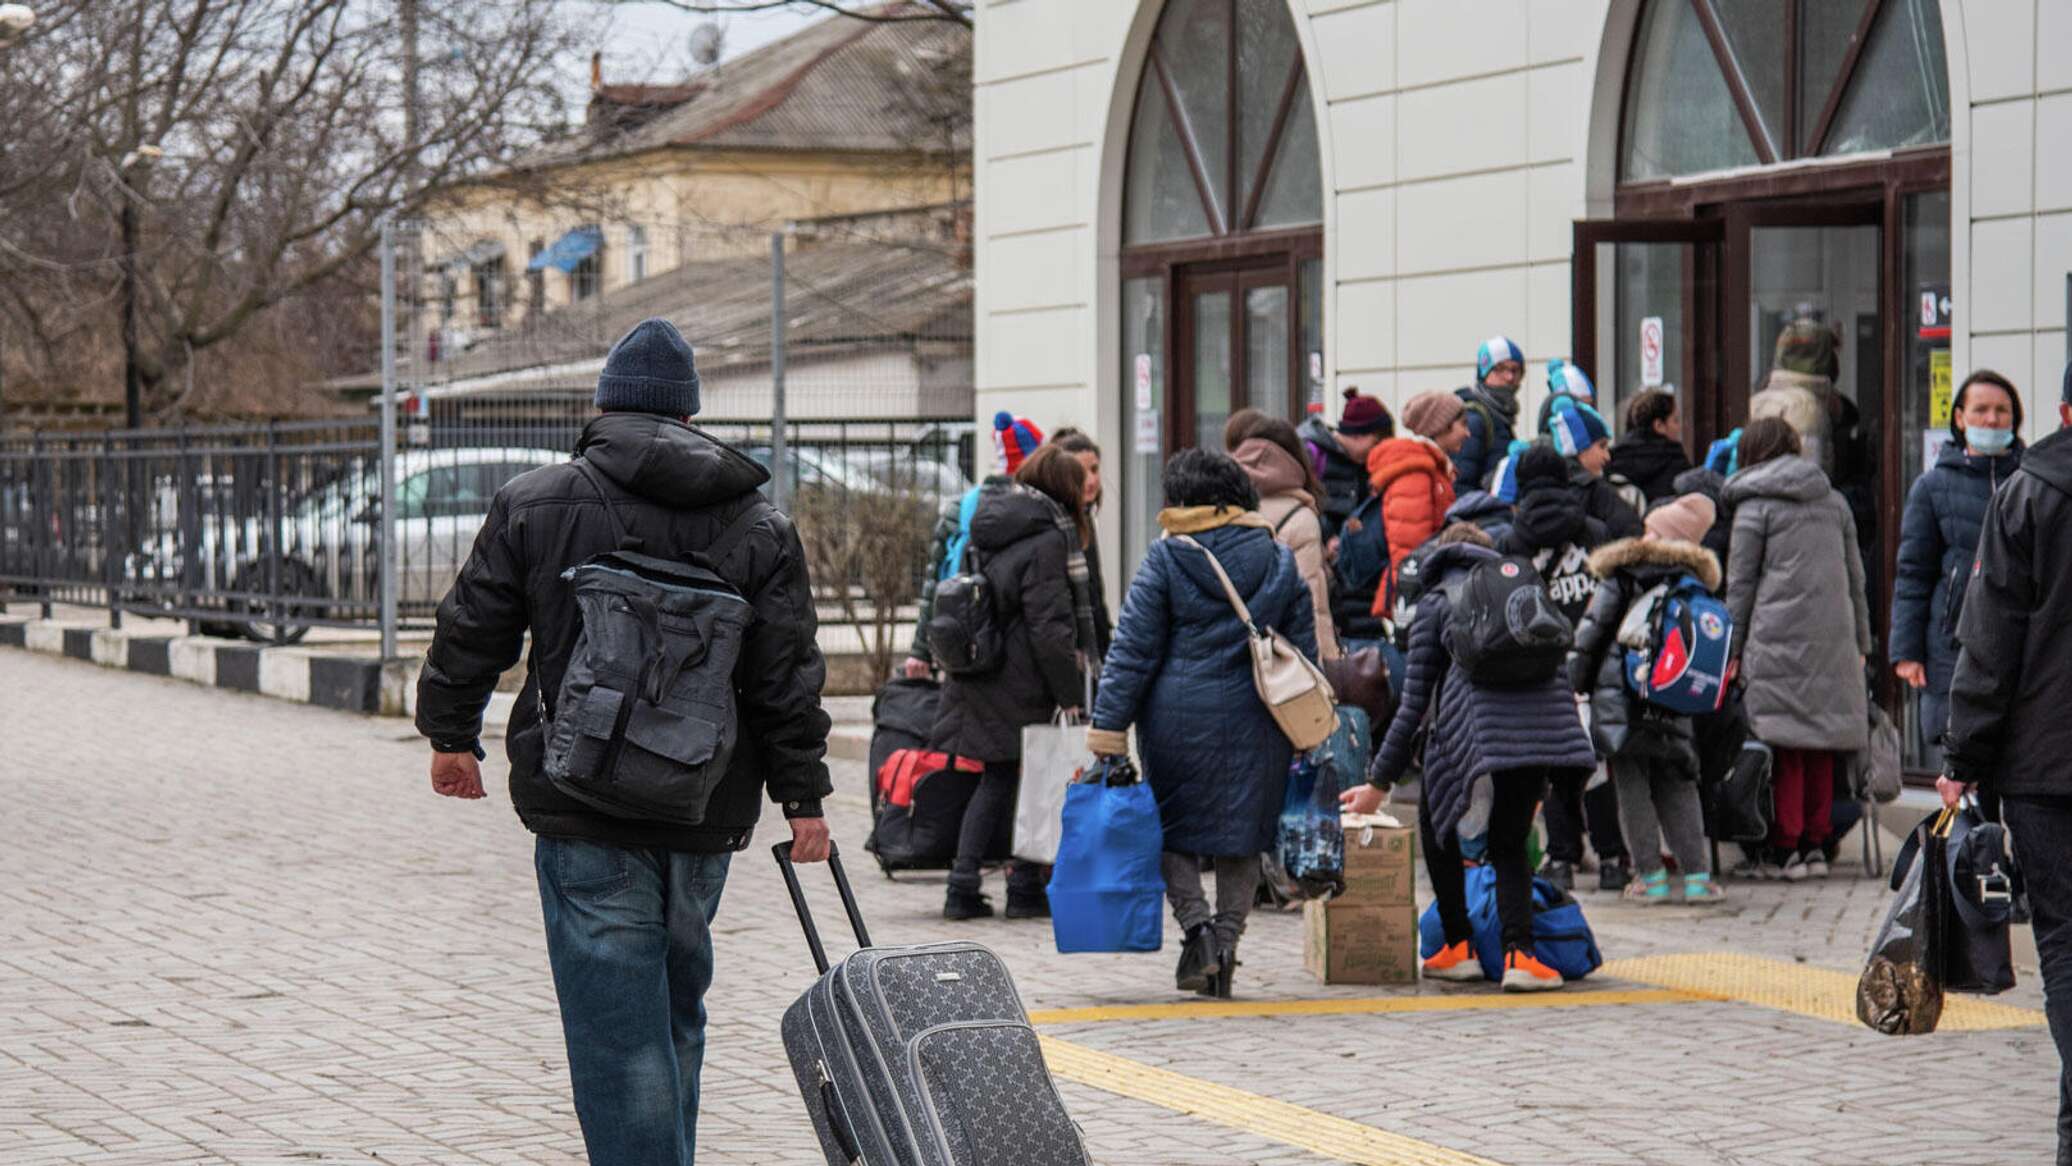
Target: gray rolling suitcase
point(920, 1056)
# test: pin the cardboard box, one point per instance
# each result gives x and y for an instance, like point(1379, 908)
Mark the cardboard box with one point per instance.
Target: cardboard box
point(1349, 943)
point(1380, 862)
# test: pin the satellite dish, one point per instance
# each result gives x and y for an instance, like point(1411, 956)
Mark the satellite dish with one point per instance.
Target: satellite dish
point(707, 40)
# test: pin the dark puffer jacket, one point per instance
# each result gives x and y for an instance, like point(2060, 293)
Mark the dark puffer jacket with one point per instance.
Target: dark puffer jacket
point(1474, 730)
point(1551, 528)
point(1649, 460)
point(1937, 539)
point(1181, 671)
point(2008, 722)
point(1344, 477)
point(1487, 512)
point(1621, 724)
point(1021, 550)
point(1492, 420)
point(676, 489)
point(1601, 501)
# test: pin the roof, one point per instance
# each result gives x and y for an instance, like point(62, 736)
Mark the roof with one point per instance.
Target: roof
point(840, 85)
point(840, 297)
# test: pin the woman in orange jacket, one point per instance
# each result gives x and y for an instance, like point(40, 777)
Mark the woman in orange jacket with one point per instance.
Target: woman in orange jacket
point(1414, 477)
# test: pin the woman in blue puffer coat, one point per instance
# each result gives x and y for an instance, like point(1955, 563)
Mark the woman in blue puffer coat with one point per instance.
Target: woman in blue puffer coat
point(1938, 536)
point(1519, 738)
point(1180, 669)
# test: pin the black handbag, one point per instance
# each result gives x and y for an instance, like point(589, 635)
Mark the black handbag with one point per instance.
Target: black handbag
point(1741, 805)
point(1977, 951)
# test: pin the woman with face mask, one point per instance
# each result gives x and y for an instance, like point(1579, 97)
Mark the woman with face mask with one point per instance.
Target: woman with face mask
point(1938, 538)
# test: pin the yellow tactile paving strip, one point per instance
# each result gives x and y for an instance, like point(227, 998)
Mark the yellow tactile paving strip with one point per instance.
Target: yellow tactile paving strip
point(1207, 1010)
point(1320, 1133)
point(1821, 993)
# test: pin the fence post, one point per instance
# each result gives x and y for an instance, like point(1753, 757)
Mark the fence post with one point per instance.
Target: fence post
point(780, 480)
point(385, 550)
point(106, 537)
point(275, 487)
point(46, 491)
point(187, 516)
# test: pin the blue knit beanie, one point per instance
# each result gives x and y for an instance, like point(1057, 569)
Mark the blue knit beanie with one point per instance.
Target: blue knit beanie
point(1575, 426)
point(1565, 379)
point(1504, 481)
point(650, 370)
point(1495, 351)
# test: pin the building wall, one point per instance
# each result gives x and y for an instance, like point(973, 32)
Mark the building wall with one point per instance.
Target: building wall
point(2012, 191)
point(694, 205)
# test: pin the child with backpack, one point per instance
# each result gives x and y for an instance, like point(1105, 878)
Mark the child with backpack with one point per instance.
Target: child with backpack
point(1651, 653)
point(1484, 678)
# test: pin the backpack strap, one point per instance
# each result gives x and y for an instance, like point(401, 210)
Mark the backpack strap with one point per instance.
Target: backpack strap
point(1237, 602)
point(589, 472)
point(1284, 521)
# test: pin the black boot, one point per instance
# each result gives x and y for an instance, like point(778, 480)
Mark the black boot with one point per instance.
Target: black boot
point(1030, 903)
point(962, 904)
point(1219, 980)
point(1197, 960)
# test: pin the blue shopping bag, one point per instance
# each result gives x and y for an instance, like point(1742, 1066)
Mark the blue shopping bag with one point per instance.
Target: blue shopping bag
point(1561, 937)
point(1106, 892)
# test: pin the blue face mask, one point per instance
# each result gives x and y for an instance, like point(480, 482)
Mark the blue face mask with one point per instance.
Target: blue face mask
point(1991, 442)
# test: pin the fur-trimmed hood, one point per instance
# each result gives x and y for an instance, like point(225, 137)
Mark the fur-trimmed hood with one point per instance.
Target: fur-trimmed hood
point(1642, 553)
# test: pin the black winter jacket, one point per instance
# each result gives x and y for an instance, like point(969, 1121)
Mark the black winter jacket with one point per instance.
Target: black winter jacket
point(1621, 724)
point(1022, 550)
point(1938, 538)
point(674, 488)
point(1473, 730)
point(1551, 528)
point(1345, 479)
point(1649, 460)
point(1492, 420)
point(2008, 723)
point(1601, 501)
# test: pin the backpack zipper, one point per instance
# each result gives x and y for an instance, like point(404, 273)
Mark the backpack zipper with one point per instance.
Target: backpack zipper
point(625, 574)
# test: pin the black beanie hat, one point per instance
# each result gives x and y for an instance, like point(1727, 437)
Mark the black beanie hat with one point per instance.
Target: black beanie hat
point(1540, 468)
point(650, 370)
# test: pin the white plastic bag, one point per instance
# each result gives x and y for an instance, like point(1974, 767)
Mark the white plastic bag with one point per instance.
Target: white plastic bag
point(1053, 757)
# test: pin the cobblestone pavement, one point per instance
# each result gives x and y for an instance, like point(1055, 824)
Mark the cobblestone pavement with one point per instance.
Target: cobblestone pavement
point(239, 930)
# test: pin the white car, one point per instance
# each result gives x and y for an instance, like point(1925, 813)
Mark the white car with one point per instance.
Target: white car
point(330, 540)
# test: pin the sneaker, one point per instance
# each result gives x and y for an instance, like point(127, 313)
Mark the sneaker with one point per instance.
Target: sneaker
point(1701, 891)
point(1649, 888)
point(1561, 874)
point(1794, 868)
point(1613, 874)
point(1523, 972)
point(966, 905)
point(1816, 863)
point(1454, 962)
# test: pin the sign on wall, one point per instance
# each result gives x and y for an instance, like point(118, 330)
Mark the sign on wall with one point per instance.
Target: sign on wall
point(1651, 352)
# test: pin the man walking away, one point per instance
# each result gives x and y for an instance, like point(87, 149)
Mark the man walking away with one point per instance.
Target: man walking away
point(1492, 412)
point(2008, 728)
point(629, 902)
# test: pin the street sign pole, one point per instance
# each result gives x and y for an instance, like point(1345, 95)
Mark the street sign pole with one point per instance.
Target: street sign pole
point(780, 480)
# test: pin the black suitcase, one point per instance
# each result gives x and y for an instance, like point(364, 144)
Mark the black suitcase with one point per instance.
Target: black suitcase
point(920, 1056)
point(902, 717)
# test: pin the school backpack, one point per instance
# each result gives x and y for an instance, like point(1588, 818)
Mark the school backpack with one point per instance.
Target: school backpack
point(1505, 631)
point(1723, 457)
point(1363, 554)
point(645, 722)
point(1677, 637)
point(963, 628)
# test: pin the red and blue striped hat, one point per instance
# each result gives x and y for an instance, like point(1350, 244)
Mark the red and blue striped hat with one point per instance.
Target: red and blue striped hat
point(1015, 438)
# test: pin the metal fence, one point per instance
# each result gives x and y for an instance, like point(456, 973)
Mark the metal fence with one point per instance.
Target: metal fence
point(268, 531)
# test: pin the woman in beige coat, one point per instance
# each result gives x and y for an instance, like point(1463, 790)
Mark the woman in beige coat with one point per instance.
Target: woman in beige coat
point(1290, 498)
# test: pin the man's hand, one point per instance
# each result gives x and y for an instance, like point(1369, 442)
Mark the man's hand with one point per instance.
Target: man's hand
point(809, 841)
point(1913, 672)
point(914, 668)
point(1361, 799)
point(456, 775)
point(1952, 791)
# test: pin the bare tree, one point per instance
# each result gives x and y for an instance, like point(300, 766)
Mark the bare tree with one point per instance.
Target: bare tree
point(953, 11)
point(235, 158)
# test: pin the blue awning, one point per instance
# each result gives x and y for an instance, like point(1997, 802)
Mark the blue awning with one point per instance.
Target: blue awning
point(568, 251)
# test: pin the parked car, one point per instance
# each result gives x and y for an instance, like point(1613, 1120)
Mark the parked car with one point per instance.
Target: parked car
point(330, 541)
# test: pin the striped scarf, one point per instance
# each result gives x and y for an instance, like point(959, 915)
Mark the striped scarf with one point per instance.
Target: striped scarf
point(1081, 577)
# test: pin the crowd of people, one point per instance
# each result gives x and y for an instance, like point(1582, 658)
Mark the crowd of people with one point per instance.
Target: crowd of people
point(1353, 538)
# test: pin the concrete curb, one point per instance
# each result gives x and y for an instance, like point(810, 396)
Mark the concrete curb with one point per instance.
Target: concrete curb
point(360, 684)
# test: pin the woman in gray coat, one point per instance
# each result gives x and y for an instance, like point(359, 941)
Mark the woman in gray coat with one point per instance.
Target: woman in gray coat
point(1795, 589)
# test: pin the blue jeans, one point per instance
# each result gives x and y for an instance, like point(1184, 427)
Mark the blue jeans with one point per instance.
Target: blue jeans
point(629, 937)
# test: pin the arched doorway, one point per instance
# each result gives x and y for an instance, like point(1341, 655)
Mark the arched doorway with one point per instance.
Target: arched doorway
point(1783, 165)
point(1222, 242)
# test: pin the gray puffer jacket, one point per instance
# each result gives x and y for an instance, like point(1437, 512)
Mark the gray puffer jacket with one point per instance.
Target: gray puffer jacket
point(1801, 621)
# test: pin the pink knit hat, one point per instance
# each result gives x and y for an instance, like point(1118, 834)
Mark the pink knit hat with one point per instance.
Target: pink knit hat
point(1686, 518)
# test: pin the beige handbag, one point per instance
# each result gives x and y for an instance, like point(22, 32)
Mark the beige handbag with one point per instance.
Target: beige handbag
point(1293, 689)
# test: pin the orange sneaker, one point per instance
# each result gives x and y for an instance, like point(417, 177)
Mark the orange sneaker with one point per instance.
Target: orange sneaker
point(1454, 962)
point(1523, 972)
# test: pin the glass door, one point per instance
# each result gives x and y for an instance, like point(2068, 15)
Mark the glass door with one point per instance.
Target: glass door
point(1646, 316)
point(1235, 346)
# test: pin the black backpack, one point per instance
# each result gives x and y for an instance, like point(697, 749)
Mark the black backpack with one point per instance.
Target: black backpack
point(1505, 631)
point(963, 629)
point(645, 722)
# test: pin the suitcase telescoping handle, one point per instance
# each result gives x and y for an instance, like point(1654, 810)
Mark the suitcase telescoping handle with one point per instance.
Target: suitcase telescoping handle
point(798, 900)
